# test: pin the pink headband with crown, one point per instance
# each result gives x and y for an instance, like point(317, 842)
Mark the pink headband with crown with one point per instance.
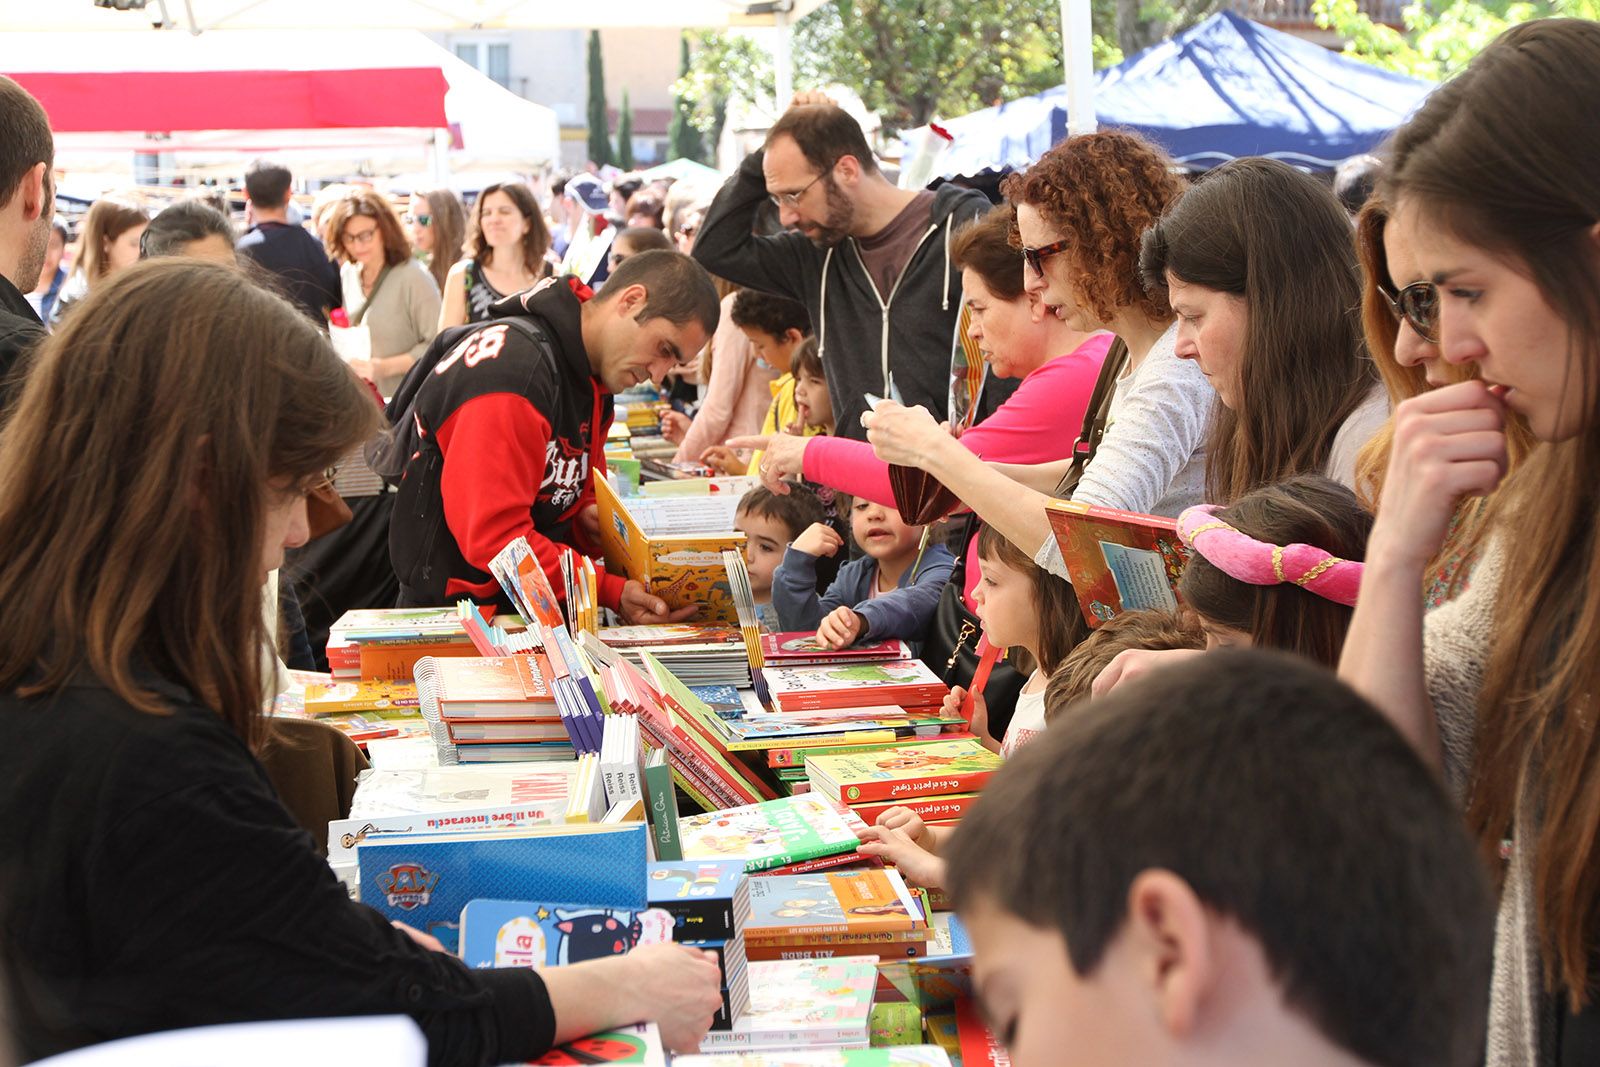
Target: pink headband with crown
point(1243, 557)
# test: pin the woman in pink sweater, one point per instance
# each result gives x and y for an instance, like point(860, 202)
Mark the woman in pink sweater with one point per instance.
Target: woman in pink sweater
point(1020, 338)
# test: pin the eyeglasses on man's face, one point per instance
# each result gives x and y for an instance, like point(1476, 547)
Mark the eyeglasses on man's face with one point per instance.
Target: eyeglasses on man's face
point(1418, 305)
point(792, 200)
point(1035, 257)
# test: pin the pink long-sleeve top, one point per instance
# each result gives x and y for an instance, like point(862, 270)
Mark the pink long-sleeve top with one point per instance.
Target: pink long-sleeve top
point(1037, 425)
point(736, 397)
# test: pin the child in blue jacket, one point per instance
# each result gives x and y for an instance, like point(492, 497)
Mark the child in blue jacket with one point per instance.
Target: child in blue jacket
point(888, 593)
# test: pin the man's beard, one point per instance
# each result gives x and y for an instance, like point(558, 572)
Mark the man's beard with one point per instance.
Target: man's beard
point(835, 227)
point(34, 255)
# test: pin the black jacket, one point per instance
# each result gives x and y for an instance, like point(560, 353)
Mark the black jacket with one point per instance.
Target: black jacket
point(153, 881)
point(20, 331)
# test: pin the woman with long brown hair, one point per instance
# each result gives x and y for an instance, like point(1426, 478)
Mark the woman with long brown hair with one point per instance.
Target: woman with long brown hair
point(507, 240)
point(1495, 186)
point(385, 290)
point(108, 241)
point(1256, 261)
point(438, 227)
point(153, 880)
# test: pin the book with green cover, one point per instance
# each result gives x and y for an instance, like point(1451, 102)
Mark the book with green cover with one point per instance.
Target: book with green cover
point(908, 771)
point(773, 834)
point(663, 809)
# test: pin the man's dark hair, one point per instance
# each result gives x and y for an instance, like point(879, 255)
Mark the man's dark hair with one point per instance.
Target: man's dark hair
point(797, 509)
point(825, 134)
point(558, 186)
point(680, 289)
point(1289, 805)
point(267, 183)
point(644, 239)
point(176, 226)
point(626, 187)
point(25, 138)
point(1355, 179)
point(773, 315)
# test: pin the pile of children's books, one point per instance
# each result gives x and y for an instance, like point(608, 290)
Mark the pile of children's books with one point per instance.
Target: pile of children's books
point(697, 653)
point(868, 912)
point(362, 711)
point(792, 835)
point(937, 780)
point(484, 709)
point(804, 1004)
point(384, 644)
point(709, 902)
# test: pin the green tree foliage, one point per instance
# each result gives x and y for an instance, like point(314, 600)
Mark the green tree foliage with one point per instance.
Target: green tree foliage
point(1438, 39)
point(725, 67)
point(625, 134)
point(599, 127)
point(683, 136)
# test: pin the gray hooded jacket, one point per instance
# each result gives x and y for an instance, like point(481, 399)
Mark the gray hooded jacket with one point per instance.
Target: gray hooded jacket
point(864, 336)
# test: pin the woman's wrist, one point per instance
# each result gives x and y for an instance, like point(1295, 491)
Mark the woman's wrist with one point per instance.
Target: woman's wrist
point(1392, 555)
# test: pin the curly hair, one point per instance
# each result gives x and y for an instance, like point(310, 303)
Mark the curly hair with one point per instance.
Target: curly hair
point(774, 315)
point(1102, 191)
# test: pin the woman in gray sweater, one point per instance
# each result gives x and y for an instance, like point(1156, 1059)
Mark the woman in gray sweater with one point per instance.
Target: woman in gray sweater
point(385, 289)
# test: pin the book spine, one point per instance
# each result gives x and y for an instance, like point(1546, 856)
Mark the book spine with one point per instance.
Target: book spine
point(664, 813)
point(830, 1037)
point(931, 809)
point(832, 934)
point(788, 864)
point(865, 792)
point(900, 950)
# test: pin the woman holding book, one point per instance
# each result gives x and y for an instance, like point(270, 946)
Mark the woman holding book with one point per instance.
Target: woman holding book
point(156, 881)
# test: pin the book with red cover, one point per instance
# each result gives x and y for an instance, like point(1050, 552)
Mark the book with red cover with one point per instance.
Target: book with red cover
point(908, 683)
point(796, 757)
point(681, 721)
point(800, 649)
point(1118, 560)
point(914, 770)
point(943, 808)
point(979, 1046)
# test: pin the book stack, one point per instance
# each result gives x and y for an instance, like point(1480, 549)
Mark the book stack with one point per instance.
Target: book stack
point(908, 683)
point(384, 644)
point(815, 1005)
point(491, 709)
point(800, 649)
point(709, 902)
point(674, 719)
point(789, 764)
point(793, 835)
point(938, 781)
point(835, 913)
point(362, 711)
point(697, 653)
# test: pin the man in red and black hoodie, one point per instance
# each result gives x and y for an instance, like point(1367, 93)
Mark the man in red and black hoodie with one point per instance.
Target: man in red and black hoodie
point(510, 418)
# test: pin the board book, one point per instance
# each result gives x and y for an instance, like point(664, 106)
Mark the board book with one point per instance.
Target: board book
point(914, 770)
point(1118, 560)
point(708, 899)
point(773, 834)
point(683, 569)
point(521, 933)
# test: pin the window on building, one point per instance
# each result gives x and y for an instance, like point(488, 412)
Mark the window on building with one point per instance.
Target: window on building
point(490, 58)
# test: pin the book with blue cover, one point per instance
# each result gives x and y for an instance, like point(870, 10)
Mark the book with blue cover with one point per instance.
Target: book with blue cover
point(424, 880)
point(725, 701)
point(709, 899)
point(522, 933)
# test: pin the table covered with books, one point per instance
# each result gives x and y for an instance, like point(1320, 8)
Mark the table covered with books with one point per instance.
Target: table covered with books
point(546, 789)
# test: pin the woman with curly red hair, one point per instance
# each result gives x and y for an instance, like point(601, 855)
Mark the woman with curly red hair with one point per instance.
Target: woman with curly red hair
point(1080, 213)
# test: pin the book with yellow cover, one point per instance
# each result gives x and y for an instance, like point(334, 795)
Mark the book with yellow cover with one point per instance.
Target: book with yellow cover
point(682, 569)
point(331, 698)
point(907, 771)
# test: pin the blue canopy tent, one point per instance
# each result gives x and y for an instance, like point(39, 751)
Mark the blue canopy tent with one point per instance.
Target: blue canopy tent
point(1226, 88)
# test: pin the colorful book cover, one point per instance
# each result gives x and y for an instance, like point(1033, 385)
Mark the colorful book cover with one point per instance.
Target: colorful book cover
point(521, 933)
point(723, 701)
point(944, 808)
point(800, 649)
point(772, 833)
point(324, 698)
point(425, 880)
point(908, 683)
point(682, 570)
point(908, 771)
point(935, 981)
point(979, 1046)
point(795, 908)
point(488, 686)
point(797, 757)
point(899, 1056)
point(525, 583)
point(688, 727)
point(803, 1003)
point(656, 635)
point(388, 624)
point(708, 899)
point(383, 661)
point(632, 1045)
point(1118, 560)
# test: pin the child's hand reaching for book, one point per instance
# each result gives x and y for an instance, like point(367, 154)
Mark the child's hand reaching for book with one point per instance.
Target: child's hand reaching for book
point(724, 460)
point(910, 823)
point(674, 425)
point(840, 627)
point(641, 607)
point(895, 845)
point(818, 539)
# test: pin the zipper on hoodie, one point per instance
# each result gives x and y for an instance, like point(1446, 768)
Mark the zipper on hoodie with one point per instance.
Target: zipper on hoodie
point(883, 303)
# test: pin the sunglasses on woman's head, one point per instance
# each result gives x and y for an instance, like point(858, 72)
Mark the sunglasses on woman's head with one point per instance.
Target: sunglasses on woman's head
point(1035, 257)
point(1418, 305)
point(420, 220)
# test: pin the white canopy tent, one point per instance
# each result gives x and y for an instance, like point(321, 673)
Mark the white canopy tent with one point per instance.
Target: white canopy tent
point(490, 127)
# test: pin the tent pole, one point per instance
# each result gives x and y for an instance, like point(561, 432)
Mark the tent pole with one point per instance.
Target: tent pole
point(783, 75)
point(1077, 53)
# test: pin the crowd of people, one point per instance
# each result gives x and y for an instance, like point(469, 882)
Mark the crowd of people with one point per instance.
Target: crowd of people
point(1342, 808)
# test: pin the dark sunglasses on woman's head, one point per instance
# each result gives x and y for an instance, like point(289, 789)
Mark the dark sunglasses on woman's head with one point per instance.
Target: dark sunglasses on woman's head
point(1417, 304)
point(1035, 257)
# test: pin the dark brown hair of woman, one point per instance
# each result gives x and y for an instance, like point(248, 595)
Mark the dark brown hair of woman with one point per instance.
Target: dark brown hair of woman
point(370, 204)
point(1101, 191)
point(1260, 229)
point(134, 487)
point(1504, 157)
point(535, 243)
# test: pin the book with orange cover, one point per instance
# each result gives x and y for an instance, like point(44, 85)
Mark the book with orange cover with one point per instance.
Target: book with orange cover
point(1118, 560)
point(801, 908)
point(330, 697)
point(503, 687)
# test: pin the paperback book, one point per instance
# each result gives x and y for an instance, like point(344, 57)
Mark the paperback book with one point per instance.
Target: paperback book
point(682, 570)
point(908, 683)
point(774, 833)
point(520, 933)
point(1118, 560)
point(803, 1004)
point(860, 905)
point(801, 649)
point(914, 770)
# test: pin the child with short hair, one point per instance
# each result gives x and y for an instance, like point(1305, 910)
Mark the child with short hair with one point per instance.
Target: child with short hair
point(1279, 568)
point(1025, 609)
point(1150, 629)
point(770, 522)
point(1235, 861)
point(889, 592)
point(776, 328)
